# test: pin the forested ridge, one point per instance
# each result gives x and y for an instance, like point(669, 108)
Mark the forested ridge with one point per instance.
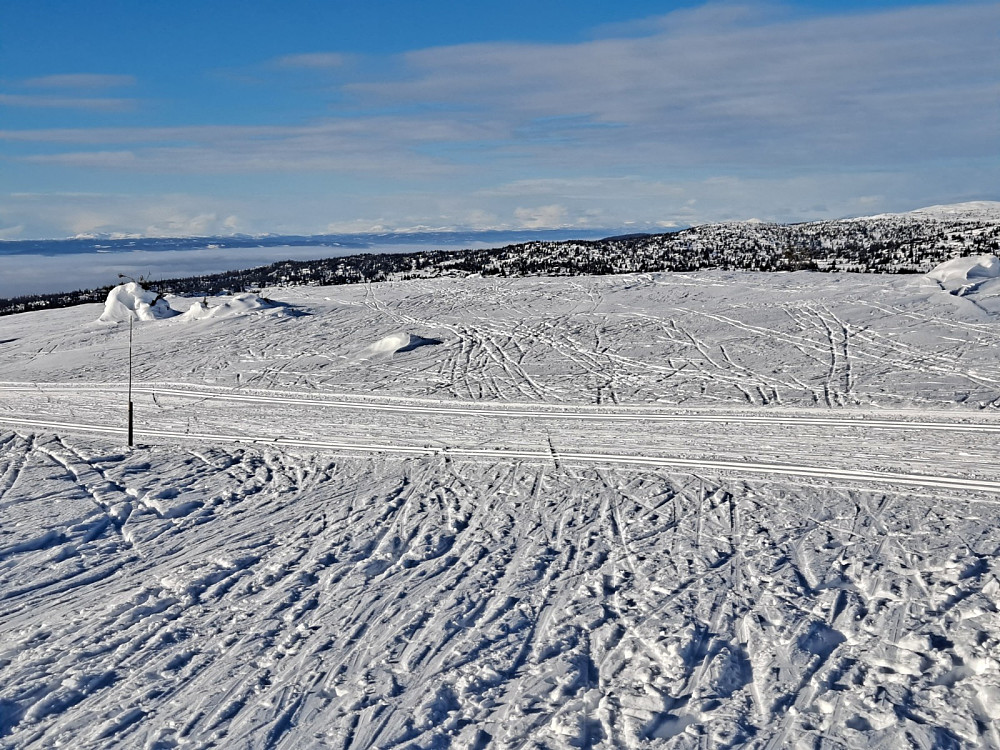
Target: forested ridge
point(891, 244)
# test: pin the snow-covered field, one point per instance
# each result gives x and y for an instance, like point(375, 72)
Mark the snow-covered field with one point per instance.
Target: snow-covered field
point(673, 510)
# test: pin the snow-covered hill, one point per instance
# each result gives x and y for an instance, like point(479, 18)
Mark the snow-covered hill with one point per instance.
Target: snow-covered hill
point(970, 212)
point(689, 510)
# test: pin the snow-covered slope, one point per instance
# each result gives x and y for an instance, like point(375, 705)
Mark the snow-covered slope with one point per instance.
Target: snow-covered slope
point(704, 510)
point(971, 211)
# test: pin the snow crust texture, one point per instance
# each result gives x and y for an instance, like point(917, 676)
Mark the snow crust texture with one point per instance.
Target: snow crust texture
point(683, 511)
point(254, 598)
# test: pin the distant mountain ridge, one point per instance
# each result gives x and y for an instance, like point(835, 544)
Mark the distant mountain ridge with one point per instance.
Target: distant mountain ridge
point(913, 242)
point(352, 241)
point(971, 211)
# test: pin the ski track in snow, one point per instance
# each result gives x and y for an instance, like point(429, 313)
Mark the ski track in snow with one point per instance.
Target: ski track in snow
point(682, 511)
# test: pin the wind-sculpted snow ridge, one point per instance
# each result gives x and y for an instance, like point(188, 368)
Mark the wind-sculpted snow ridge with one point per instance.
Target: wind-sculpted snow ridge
point(694, 510)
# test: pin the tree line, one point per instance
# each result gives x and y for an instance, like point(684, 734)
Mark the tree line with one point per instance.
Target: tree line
point(876, 245)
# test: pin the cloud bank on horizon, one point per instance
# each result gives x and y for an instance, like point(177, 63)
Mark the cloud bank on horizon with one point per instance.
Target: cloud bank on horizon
point(703, 113)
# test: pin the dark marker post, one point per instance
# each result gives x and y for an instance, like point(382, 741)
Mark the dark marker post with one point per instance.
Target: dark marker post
point(130, 317)
point(130, 381)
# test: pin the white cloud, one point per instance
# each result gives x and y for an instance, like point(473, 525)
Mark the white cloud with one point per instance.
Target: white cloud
point(86, 159)
point(185, 225)
point(168, 215)
point(386, 145)
point(358, 226)
point(584, 187)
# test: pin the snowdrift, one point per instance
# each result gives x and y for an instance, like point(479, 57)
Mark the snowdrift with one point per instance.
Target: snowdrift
point(973, 281)
point(397, 343)
point(132, 301)
point(241, 304)
point(962, 273)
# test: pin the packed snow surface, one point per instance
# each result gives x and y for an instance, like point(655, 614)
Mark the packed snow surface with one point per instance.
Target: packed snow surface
point(706, 510)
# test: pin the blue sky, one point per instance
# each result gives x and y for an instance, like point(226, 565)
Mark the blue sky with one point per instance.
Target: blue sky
point(221, 117)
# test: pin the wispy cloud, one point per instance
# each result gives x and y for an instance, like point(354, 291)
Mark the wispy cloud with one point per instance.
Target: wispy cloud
point(80, 81)
point(103, 104)
point(703, 87)
point(373, 145)
point(315, 60)
point(712, 89)
point(538, 217)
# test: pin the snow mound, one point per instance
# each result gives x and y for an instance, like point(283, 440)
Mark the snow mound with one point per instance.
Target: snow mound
point(131, 301)
point(962, 273)
point(974, 279)
point(241, 304)
point(397, 343)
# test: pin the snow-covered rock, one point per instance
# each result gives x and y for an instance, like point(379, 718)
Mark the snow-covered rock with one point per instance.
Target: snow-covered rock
point(132, 301)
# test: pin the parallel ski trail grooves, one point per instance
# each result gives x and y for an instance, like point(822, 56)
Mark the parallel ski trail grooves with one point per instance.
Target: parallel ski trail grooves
point(818, 472)
point(605, 414)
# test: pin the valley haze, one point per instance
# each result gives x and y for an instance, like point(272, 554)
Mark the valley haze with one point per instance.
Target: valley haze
point(46, 266)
